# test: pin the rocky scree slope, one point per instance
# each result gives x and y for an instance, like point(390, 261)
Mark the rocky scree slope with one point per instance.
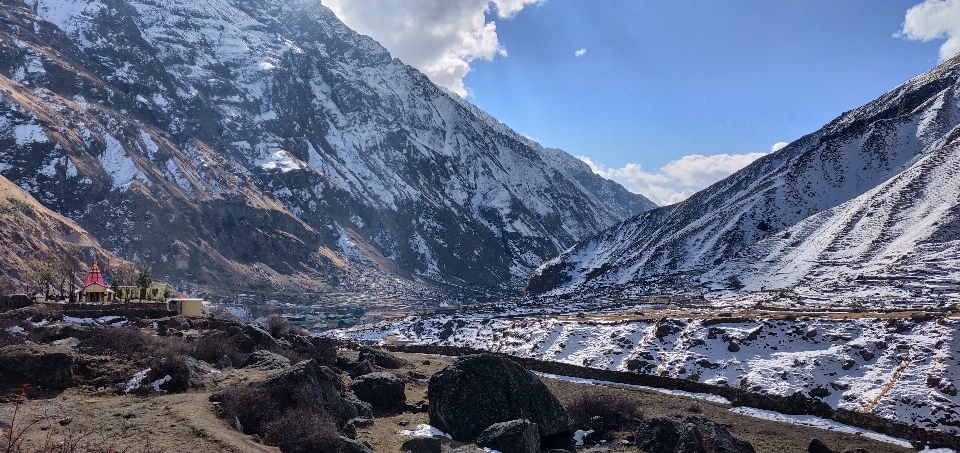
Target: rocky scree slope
point(265, 144)
point(866, 206)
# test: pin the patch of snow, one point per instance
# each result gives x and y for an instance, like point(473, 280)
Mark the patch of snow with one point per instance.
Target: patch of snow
point(423, 430)
point(821, 423)
point(579, 436)
point(29, 133)
point(136, 381)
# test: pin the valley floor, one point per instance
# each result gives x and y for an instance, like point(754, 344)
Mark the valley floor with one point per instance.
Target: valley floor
point(187, 423)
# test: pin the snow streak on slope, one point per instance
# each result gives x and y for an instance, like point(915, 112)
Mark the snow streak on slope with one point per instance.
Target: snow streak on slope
point(862, 206)
point(901, 369)
point(274, 129)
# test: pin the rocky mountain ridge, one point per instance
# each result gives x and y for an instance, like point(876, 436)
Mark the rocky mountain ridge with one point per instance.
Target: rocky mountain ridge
point(266, 145)
point(865, 207)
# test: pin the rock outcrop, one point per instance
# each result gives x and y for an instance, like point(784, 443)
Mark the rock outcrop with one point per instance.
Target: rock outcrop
point(476, 391)
point(311, 387)
point(515, 436)
point(692, 435)
point(383, 391)
point(42, 366)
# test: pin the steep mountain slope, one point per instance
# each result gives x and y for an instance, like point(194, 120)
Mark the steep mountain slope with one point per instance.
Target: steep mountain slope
point(863, 206)
point(31, 233)
point(265, 144)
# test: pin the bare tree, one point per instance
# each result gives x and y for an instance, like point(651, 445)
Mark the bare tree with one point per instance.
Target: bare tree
point(40, 275)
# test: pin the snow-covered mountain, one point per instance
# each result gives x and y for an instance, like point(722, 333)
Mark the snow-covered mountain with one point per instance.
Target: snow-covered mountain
point(867, 206)
point(265, 144)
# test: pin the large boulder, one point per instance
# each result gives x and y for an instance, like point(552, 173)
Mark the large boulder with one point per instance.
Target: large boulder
point(380, 358)
point(256, 338)
point(310, 387)
point(384, 391)
point(476, 391)
point(515, 436)
point(692, 435)
point(42, 366)
point(267, 361)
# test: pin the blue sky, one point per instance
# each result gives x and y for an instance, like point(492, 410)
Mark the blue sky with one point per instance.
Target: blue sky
point(665, 97)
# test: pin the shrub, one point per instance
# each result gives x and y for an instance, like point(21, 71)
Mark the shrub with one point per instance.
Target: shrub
point(612, 410)
point(173, 365)
point(278, 326)
point(128, 343)
point(213, 346)
point(251, 406)
point(300, 431)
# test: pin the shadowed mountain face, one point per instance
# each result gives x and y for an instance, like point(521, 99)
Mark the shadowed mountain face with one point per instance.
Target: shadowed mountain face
point(867, 205)
point(263, 144)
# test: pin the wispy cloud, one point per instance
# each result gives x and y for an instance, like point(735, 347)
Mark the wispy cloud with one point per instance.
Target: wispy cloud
point(441, 38)
point(580, 53)
point(677, 180)
point(778, 146)
point(932, 20)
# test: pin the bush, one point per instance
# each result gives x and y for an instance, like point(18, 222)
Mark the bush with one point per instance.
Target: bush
point(251, 406)
point(300, 431)
point(129, 343)
point(278, 326)
point(611, 410)
point(173, 365)
point(213, 346)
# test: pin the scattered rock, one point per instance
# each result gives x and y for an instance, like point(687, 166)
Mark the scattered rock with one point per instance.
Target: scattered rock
point(384, 391)
point(363, 422)
point(817, 446)
point(476, 391)
point(380, 358)
point(224, 363)
point(44, 366)
point(65, 421)
point(267, 361)
point(416, 375)
point(69, 342)
point(355, 369)
point(352, 446)
point(515, 436)
point(733, 347)
point(692, 435)
point(422, 445)
point(257, 338)
point(310, 387)
point(364, 409)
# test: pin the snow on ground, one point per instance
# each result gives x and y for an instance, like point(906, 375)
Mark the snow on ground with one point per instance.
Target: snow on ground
point(821, 423)
point(900, 369)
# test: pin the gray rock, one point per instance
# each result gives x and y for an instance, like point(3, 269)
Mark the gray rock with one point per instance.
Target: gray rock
point(258, 338)
point(817, 446)
point(348, 445)
point(380, 358)
point(68, 342)
point(224, 363)
point(476, 391)
point(310, 387)
point(692, 435)
point(364, 409)
point(422, 445)
point(355, 369)
point(266, 360)
point(384, 391)
point(43, 366)
point(515, 436)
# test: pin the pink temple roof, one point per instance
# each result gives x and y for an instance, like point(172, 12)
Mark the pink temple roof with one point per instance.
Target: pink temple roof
point(94, 276)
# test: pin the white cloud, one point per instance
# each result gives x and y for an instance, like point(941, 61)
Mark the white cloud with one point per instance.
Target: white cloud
point(439, 37)
point(580, 53)
point(677, 180)
point(778, 146)
point(934, 19)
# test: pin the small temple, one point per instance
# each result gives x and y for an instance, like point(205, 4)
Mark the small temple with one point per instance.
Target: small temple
point(94, 287)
